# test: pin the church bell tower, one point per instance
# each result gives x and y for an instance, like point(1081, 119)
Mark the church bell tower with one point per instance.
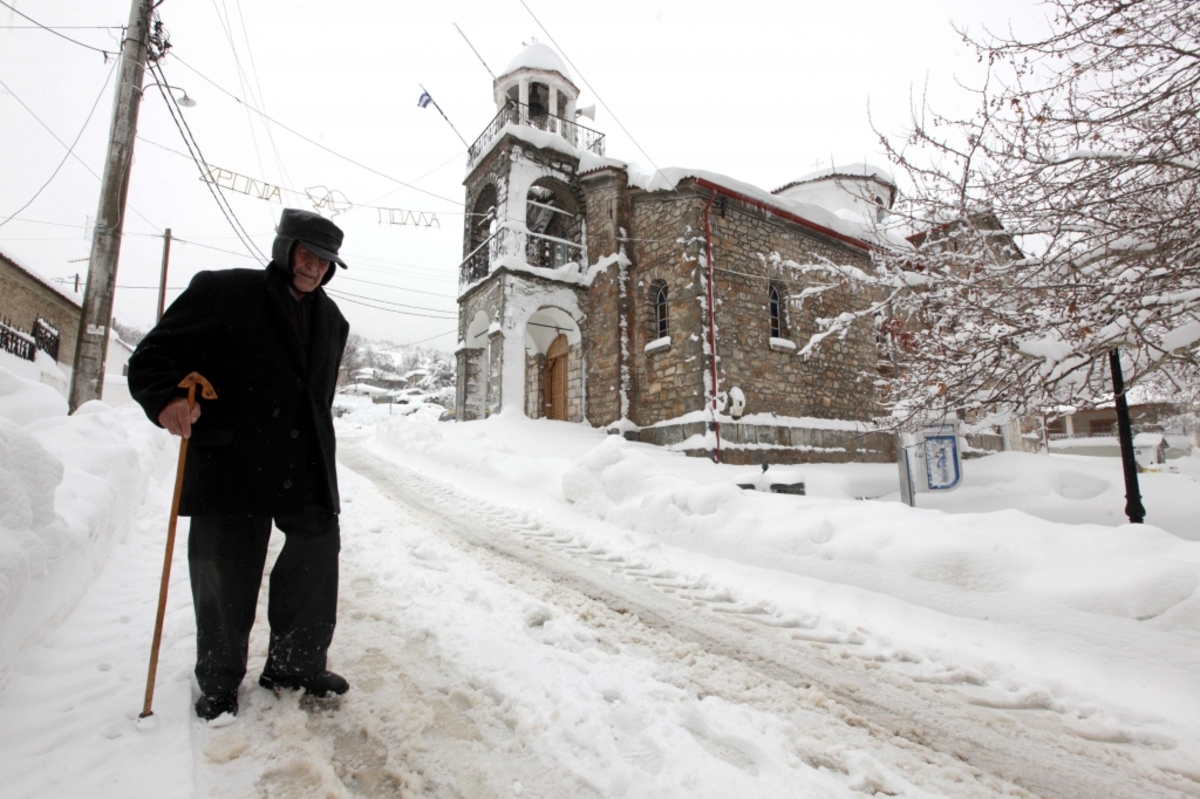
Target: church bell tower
point(521, 287)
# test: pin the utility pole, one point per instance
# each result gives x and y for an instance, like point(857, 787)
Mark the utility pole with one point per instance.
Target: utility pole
point(87, 376)
point(162, 284)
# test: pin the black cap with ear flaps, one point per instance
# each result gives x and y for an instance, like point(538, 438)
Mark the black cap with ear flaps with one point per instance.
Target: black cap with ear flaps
point(318, 234)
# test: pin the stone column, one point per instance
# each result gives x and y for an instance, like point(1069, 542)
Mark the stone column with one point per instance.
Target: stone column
point(461, 385)
point(494, 394)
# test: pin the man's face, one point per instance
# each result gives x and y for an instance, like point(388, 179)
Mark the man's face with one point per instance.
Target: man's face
point(307, 269)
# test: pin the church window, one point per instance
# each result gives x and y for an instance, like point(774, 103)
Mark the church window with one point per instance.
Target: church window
point(775, 308)
point(662, 327)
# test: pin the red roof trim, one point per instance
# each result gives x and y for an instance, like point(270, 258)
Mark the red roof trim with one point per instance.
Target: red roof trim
point(788, 215)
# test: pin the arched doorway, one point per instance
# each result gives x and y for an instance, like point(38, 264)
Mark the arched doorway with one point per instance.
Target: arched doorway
point(555, 390)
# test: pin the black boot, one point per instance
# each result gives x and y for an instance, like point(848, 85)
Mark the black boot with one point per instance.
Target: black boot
point(210, 706)
point(323, 683)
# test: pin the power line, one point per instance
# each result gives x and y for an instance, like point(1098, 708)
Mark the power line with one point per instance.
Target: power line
point(377, 308)
point(262, 100)
point(349, 256)
point(198, 157)
point(194, 243)
point(431, 338)
point(60, 27)
point(354, 206)
point(314, 142)
point(393, 286)
point(106, 53)
point(70, 150)
point(178, 240)
point(227, 28)
point(473, 50)
point(447, 162)
point(341, 293)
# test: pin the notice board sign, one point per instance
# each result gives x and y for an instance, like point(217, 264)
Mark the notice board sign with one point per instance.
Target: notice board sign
point(943, 462)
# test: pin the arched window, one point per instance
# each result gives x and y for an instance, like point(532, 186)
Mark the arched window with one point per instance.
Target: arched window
point(483, 217)
point(775, 306)
point(662, 326)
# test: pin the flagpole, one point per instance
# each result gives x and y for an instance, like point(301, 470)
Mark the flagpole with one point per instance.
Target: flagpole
point(443, 113)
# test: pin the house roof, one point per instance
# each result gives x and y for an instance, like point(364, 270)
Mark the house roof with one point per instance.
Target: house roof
point(843, 171)
point(33, 274)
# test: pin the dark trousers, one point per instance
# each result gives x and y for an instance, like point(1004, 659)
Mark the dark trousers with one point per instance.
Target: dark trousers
point(226, 556)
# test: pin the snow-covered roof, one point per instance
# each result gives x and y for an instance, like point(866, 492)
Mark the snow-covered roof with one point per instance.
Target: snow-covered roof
point(843, 171)
point(667, 179)
point(538, 56)
point(33, 273)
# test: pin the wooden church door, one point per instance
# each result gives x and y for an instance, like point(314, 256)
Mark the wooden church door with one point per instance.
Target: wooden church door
point(555, 389)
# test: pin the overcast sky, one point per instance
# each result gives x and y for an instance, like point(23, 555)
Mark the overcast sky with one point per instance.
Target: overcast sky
point(760, 90)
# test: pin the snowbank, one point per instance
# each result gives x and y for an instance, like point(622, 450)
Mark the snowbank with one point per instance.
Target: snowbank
point(69, 486)
point(1076, 610)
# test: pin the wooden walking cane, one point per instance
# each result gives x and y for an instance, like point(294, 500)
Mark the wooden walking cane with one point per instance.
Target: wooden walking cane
point(206, 391)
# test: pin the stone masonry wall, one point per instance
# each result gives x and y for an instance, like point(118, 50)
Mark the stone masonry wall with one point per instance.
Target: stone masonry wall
point(608, 212)
point(495, 373)
point(535, 370)
point(835, 382)
point(487, 298)
point(468, 401)
point(666, 241)
point(492, 171)
point(575, 386)
point(23, 299)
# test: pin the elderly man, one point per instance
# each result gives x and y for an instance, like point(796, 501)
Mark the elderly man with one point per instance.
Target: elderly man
point(270, 342)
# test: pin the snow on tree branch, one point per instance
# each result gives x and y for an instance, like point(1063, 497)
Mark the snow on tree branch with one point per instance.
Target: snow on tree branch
point(1058, 221)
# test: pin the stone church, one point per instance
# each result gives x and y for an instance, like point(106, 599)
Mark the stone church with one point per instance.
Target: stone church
point(672, 307)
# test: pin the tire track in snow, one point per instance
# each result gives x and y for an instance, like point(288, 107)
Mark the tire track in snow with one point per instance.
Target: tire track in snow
point(933, 729)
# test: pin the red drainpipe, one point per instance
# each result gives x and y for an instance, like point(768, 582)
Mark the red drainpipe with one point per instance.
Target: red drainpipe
point(712, 333)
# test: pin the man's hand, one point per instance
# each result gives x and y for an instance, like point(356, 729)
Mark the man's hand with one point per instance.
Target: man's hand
point(178, 418)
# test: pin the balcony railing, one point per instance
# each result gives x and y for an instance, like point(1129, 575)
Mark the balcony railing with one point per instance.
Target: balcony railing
point(533, 249)
point(514, 113)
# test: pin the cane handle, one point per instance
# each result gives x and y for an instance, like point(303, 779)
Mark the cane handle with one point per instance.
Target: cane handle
point(196, 379)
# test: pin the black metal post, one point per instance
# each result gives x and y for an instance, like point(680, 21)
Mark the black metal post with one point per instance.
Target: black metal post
point(1133, 497)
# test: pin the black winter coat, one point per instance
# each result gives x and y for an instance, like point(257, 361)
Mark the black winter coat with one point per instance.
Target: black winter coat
point(268, 439)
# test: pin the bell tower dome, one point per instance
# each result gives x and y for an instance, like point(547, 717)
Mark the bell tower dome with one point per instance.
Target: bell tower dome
point(540, 85)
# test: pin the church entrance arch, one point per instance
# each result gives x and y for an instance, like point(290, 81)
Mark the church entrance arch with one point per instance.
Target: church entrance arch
point(553, 366)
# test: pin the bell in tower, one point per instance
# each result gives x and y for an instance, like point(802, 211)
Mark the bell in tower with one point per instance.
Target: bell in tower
point(536, 89)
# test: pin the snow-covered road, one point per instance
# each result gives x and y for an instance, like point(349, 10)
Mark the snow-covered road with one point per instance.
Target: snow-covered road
point(502, 647)
point(816, 706)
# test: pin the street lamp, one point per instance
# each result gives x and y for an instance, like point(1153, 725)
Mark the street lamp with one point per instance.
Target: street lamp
point(185, 101)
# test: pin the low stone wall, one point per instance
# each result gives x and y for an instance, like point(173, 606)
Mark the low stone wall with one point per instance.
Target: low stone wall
point(755, 444)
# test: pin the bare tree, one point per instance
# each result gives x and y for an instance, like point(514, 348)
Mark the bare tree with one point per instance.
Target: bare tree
point(1058, 223)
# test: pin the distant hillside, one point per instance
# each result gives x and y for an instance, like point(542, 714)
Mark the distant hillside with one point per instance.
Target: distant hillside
point(432, 371)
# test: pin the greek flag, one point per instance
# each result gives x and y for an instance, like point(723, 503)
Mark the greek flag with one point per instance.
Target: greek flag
point(424, 100)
